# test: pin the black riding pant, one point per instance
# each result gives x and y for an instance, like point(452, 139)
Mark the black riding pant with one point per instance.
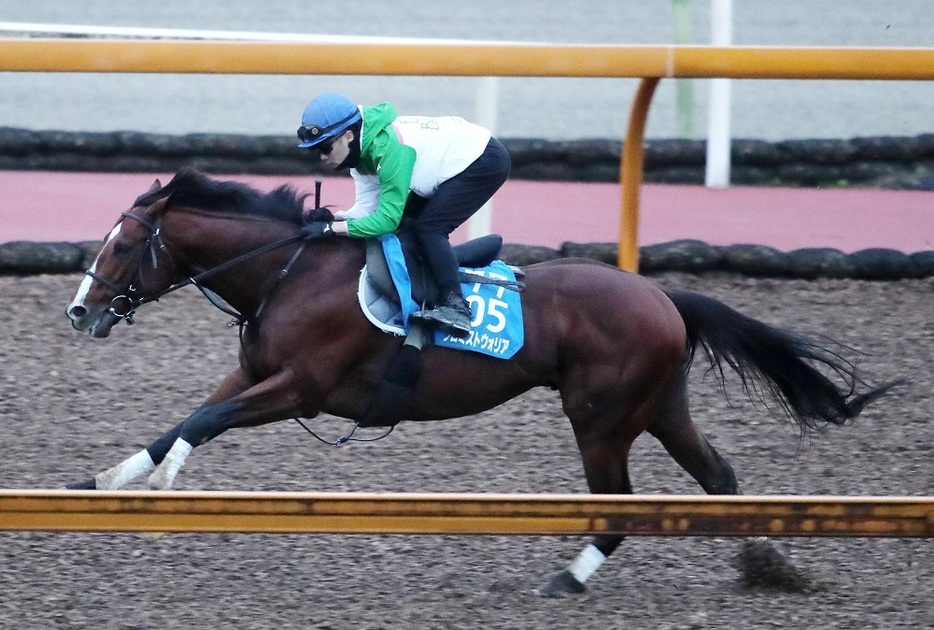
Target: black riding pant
point(456, 200)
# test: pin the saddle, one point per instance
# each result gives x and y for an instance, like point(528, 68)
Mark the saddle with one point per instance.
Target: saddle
point(478, 252)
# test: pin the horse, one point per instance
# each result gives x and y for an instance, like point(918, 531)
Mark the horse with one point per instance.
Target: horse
point(616, 345)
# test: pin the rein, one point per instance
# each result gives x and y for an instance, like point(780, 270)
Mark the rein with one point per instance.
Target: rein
point(155, 241)
point(212, 297)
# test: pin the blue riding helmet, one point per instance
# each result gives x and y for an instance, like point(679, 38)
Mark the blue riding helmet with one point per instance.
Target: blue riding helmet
point(326, 117)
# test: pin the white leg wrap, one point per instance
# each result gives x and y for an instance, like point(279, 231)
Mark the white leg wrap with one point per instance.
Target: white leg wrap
point(586, 563)
point(125, 472)
point(165, 474)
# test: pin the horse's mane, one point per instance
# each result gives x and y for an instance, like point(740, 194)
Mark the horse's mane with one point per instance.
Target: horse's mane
point(193, 188)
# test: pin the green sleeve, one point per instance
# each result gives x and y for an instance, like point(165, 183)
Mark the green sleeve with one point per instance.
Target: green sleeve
point(393, 163)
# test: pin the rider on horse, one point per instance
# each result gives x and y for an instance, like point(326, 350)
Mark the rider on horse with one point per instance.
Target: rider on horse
point(433, 171)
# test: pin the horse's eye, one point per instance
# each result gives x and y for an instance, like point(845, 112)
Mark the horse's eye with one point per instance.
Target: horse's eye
point(122, 249)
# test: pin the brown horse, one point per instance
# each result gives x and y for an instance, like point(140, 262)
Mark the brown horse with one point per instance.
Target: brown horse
point(614, 344)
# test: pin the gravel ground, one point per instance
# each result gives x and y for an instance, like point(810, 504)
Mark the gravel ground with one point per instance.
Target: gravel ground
point(72, 406)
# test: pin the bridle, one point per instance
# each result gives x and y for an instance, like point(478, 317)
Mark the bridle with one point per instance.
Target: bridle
point(130, 296)
point(133, 299)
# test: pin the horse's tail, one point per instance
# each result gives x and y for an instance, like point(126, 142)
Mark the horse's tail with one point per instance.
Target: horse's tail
point(776, 361)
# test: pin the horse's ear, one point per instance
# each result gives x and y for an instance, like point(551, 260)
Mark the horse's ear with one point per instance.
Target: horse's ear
point(155, 192)
point(158, 207)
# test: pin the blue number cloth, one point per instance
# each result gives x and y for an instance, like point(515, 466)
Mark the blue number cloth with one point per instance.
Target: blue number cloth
point(496, 311)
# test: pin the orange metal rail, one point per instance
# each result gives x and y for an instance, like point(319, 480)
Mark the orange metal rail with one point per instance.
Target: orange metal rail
point(650, 63)
point(460, 59)
point(492, 514)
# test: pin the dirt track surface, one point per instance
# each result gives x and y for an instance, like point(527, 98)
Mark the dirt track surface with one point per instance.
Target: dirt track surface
point(71, 406)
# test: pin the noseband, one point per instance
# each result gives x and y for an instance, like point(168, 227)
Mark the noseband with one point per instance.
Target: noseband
point(131, 296)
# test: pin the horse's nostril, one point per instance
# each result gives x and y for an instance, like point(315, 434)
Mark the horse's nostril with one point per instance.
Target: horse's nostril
point(77, 311)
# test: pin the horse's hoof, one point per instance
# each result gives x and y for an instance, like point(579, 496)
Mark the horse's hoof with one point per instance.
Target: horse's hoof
point(160, 479)
point(152, 536)
point(563, 583)
point(90, 484)
point(762, 565)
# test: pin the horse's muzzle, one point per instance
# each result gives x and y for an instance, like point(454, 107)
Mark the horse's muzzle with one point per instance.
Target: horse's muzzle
point(97, 323)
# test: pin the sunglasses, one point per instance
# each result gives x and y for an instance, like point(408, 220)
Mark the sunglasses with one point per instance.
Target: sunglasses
point(307, 133)
point(325, 148)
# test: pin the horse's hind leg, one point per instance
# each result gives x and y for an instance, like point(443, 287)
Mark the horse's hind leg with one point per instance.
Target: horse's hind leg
point(571, 579)
point(604, 444)
point(760, 562)
point(687, 445)
point(605, 462)
point(606, 465)
point(610, 402)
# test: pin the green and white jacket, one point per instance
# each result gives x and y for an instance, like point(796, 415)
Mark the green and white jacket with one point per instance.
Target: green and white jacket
point(399, 154)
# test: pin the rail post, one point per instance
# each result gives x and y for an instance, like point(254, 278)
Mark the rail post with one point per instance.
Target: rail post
point(630, 178)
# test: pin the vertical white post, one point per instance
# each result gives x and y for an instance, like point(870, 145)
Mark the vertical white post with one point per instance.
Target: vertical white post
point(718, 116)
point(684, 88)
point(481, 223)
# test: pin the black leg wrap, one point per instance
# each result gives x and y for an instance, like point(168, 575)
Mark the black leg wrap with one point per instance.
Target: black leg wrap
point(206, 423)
point(607, 544)
point(158, 449)
point(394, 395)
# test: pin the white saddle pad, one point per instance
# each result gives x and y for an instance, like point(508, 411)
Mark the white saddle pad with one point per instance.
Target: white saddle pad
point(383, 312)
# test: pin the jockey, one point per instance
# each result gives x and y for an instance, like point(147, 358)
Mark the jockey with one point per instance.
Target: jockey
point(435, 172)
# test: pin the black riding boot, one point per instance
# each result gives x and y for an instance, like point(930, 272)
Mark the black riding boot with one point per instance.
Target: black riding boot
point(452, 316)
point(452, 313)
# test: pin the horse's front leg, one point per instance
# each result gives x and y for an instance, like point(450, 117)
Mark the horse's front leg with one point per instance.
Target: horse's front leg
point(145, 461)
point(268, 401)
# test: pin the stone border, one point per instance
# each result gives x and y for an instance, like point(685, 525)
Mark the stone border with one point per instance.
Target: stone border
point(881, 162)
point(20, 258)
point(889, 162)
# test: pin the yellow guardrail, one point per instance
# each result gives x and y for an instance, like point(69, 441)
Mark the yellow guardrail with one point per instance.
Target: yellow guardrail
point(491, 514)
point(460, 59)
point(651, 63)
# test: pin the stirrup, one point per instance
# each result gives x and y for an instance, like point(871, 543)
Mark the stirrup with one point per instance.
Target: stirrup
point(436, 319)
point(454, 330)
